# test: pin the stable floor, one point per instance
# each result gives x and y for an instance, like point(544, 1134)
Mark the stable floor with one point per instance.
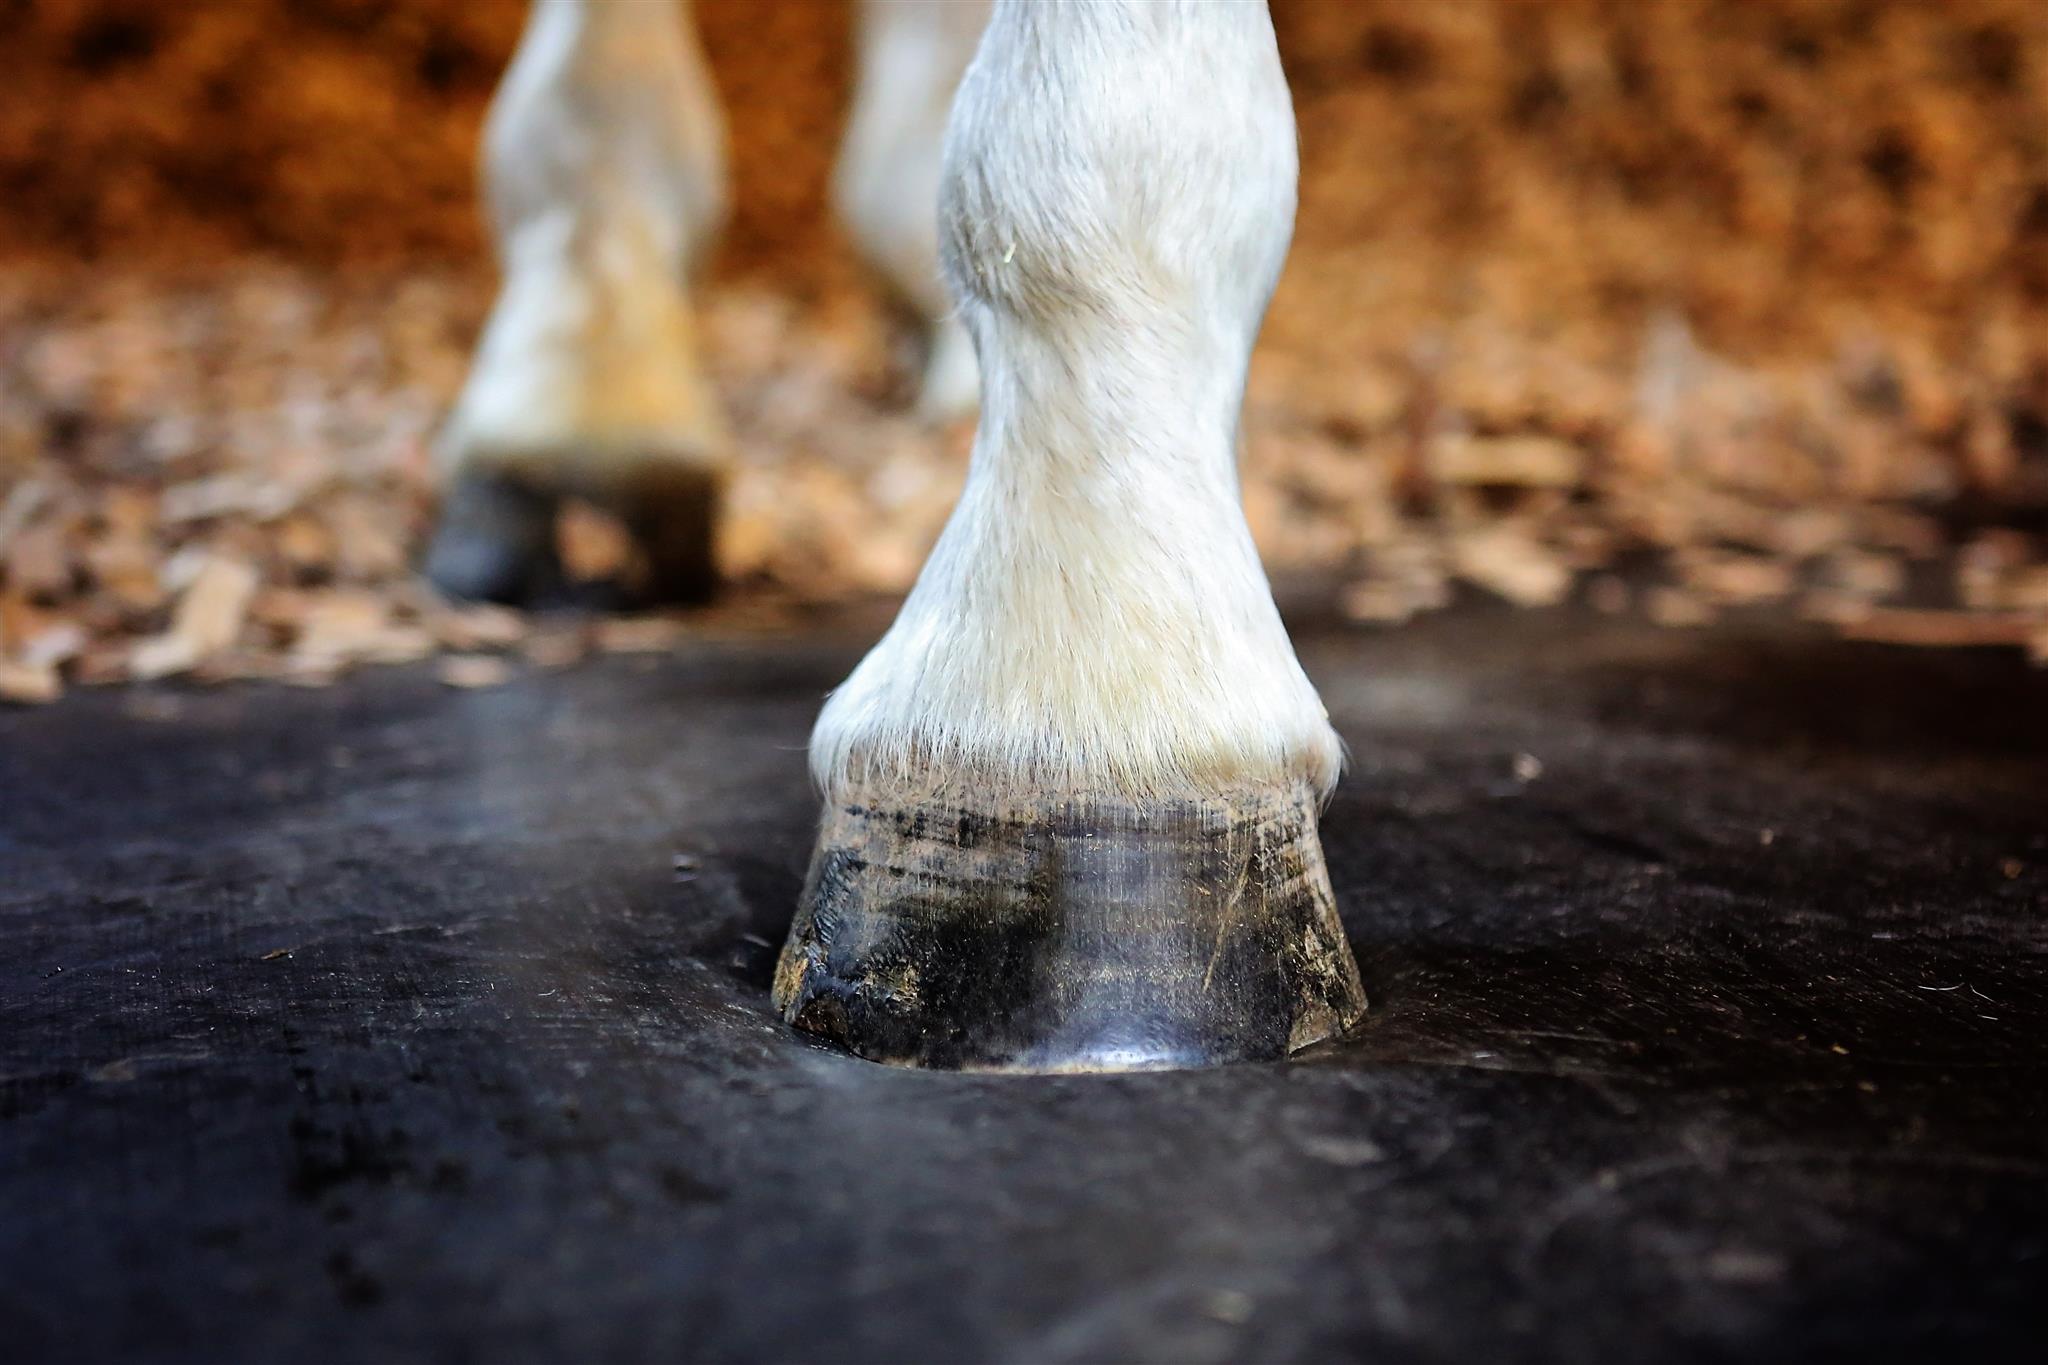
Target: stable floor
point(390, 1022)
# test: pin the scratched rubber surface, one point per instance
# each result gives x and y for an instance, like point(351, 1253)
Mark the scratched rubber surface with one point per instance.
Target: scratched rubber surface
point(377, 1023)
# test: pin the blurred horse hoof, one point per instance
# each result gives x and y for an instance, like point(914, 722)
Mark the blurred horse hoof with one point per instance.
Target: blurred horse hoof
point(495, 541)
point(672, 509)
point(496, 538)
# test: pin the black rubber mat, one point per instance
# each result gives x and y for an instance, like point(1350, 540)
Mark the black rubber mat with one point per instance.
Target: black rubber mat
point(389, 1022)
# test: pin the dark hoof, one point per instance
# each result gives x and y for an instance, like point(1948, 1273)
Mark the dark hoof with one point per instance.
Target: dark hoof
point(495, 541)
point(672, 510)
point(1070, 935)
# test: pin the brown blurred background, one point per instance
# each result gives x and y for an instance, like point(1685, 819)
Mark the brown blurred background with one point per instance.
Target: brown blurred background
point(1680, 305)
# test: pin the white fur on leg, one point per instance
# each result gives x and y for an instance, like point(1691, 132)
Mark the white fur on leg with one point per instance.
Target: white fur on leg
point(1117, 200)
point(951, 385)
point(604, 166)
point(911, 54)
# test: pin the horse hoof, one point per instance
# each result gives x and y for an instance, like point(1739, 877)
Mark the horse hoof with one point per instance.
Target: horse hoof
point(494, 542)
point(1070, 934)
point(672, 509)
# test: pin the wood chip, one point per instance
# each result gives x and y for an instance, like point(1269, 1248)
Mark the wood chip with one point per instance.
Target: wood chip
point(1509, 564)
point(340, 625)
point(57, 643)
point(207, 619)
point(1946, 629)
point(1835, 607)
point(306, 544)
point(554, 648)
point(39, 562)
point(473, 670)
point(1380, 601)
point(640, 634)
point(28, 683)
point(1864, 573)
point(1676, 607)
point(476, 627)
point(125, 568)
point(226, 495)
point(370, 544)
point(19, 510)
point(1518, 461)
point(1609, 595)
point(1735, 579)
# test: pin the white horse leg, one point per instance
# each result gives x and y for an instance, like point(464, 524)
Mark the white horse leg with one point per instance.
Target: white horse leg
point(1071, 796)
point(911, 54)
point(604, 174)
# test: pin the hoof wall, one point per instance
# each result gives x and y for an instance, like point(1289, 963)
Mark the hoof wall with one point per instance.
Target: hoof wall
point(495, 542)
point(672, 511)
point(1070, 936)
point(496, 538)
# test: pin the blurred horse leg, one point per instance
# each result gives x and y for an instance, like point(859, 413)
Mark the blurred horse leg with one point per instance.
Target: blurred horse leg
point(910, 57)
point(604, 174)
